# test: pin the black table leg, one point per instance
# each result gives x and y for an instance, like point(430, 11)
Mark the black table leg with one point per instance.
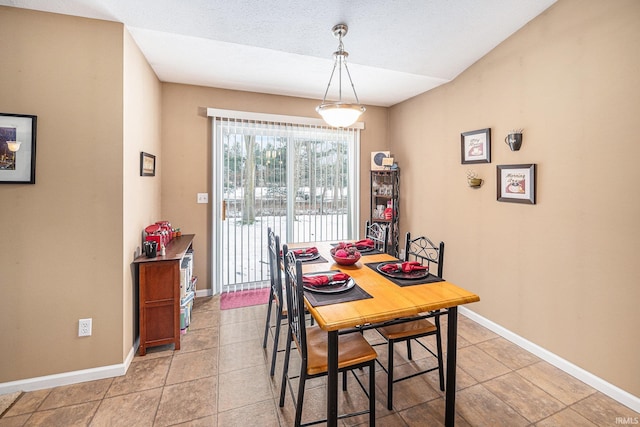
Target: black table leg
point(332, 379)
point(452, 344)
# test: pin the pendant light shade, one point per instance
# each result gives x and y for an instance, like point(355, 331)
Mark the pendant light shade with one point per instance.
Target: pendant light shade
point(339, 113)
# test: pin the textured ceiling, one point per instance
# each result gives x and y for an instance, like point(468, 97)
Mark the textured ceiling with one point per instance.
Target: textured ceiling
point(397, 49)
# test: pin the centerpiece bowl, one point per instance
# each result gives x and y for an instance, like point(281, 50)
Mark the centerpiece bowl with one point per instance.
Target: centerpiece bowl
point(345, 256)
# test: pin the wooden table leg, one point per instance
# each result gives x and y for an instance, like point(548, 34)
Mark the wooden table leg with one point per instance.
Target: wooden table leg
point(332, 379)
point(452, 344)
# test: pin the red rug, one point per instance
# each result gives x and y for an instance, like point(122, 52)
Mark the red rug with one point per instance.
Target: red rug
point(244, 298)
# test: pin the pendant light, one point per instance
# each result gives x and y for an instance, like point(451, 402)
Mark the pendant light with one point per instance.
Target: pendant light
point(339, 113)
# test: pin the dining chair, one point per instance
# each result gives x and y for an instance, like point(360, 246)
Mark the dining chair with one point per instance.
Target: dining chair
point(378, 233)
point(354, 351)
point(420, 249)
point(276, 298)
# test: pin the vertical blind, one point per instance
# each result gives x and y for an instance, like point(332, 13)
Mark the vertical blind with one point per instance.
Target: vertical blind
point(299, 179)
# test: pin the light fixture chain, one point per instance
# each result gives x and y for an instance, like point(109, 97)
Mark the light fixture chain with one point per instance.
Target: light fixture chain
point(351, 81)
point(329, 85)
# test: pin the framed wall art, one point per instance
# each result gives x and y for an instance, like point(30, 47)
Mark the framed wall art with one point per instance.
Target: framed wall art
point(147, 164)
point(475, 146)
point(17, 148)
point(517, 183)
point(378, 158)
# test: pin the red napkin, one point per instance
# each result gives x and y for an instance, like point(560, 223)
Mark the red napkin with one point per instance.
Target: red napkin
point(408, 267)
point(405, 267)
point(365, 244)
point(312, 250)
point(391, 268)
point(322, 280)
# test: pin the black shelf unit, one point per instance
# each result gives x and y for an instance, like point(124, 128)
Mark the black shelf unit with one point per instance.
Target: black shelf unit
point(385, 193)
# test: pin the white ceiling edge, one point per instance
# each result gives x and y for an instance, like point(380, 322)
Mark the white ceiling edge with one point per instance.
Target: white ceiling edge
point(232, 66)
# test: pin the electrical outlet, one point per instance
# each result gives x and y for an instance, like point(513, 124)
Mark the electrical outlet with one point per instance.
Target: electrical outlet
point(84, 327)
point(203, 197)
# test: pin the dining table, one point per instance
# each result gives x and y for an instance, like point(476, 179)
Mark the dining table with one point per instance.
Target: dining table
point(380, 300)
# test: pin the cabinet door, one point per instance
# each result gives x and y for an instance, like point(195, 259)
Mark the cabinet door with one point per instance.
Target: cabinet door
point(159, 304)
point(160, 323)
point(160, 280)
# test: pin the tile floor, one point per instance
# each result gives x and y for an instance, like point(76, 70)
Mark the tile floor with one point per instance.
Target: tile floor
point(220, 378)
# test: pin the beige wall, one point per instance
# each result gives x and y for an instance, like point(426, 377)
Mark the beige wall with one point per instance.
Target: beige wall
point(561, 273)
point(68, 240)
point(141, 195)
point(186, 162)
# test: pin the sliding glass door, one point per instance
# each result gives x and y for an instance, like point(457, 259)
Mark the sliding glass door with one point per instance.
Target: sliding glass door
point(299, 180)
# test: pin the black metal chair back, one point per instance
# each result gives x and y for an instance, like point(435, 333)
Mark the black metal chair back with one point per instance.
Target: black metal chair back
point(276, 297)
point(379, 233)
point(424, 251)
point(295, 302)
point(275, 274)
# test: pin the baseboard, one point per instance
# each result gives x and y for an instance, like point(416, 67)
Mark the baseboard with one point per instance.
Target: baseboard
point(204, 293)
point(66, 378)
point(616, 393)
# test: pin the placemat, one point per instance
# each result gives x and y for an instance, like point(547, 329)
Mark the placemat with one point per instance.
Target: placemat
point(353, 294)
point(318, 260)
point(404, 282)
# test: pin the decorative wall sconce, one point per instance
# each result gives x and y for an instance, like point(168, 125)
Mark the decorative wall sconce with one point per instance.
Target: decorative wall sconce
point(514, 139)
point(473, 180)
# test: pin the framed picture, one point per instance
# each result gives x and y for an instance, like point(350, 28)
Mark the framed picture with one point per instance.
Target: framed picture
point(378, 160)
point(147, 164)
point(17, 149)
point(517, 183)
point(476, 146)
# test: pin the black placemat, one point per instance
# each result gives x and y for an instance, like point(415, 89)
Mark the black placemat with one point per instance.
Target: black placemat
point(405, 282)
point(318, 260)
point(318, 299)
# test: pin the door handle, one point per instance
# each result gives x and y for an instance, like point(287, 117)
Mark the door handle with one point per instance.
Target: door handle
point(224, 210)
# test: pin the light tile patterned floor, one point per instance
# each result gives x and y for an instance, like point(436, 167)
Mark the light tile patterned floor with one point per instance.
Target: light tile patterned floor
point(220, 378)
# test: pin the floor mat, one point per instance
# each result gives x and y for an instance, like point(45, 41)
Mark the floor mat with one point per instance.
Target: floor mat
point(246, 298)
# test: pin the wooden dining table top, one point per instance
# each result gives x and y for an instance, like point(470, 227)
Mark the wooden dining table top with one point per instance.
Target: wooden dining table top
point(389, 301)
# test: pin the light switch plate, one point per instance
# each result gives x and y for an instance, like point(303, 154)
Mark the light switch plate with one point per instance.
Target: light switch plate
point(203, 197)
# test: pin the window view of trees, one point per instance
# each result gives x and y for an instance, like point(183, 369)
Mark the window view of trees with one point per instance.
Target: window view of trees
point(256, 176)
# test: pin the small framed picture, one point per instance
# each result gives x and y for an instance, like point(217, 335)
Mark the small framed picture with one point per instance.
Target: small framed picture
point(476, 146)
point(147, 164)
point(378, 159)
point(17, 149)
point(517, 183)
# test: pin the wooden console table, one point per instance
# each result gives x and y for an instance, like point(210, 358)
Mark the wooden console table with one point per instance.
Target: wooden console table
point(159, 295)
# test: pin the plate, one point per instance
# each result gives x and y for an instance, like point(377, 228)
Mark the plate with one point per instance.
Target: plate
point(330, 288)
point(308, 257)
point(412, 275)
point(365, 250)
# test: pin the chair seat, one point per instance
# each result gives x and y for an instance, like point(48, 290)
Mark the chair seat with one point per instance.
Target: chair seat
point(353, 349)
point(407, 330)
